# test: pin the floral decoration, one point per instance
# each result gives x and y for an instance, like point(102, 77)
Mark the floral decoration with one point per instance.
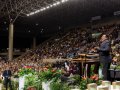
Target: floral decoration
point(48, 74)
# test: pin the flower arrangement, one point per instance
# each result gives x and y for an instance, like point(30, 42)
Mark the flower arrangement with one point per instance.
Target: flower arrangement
point(92, 79)
point(25, 71)
point(58, 85)
point(48, 74)
point(32, 83)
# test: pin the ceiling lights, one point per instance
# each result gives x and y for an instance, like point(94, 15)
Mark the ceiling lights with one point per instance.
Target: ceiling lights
point(47, 7)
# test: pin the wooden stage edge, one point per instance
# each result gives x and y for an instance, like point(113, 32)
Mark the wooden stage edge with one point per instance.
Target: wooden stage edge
point(82, 58)
point(70, 60)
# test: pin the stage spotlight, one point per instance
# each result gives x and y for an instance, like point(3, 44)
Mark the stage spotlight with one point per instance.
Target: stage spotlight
point(64, 1)
point(51, 5)
point(41, 9)
point(58, 3)
point(28, 14)
point(44, 8)
point(54, 4)
point(31, 13)
point(48, 7)
point(37, 11)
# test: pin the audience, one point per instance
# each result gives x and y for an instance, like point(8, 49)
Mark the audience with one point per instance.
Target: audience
point(64, 46)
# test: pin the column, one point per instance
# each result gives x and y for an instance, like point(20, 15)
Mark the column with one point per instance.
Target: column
point(10, 50)
point(34, 42)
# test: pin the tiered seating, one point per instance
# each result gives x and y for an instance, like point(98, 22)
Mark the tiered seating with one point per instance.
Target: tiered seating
point(68, 45)
point(62, 46)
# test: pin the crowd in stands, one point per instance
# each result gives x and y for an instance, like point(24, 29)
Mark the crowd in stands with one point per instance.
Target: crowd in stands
point(16, 50)
point(67, 45)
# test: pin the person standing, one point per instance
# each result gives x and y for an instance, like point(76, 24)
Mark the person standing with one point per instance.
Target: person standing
point(7, 78)
point(104, 56)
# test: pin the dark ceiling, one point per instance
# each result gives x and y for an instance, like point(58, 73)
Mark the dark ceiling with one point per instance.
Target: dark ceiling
point(73, 12)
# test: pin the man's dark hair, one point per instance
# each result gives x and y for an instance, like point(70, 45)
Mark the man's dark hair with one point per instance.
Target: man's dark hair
point(107, 36)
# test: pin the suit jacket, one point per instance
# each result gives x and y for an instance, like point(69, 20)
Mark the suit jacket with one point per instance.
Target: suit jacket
point(104, 51)
point(7, 73)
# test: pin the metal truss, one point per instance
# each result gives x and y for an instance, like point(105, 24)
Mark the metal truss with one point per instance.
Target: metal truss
point(14, 8)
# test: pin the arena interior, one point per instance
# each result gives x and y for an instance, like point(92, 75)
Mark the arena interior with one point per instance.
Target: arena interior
point(59, 44)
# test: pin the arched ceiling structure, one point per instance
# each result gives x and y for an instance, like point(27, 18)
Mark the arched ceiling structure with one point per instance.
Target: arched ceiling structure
point(70, 13)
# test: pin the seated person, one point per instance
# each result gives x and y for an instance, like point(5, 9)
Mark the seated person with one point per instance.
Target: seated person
point(114, 60)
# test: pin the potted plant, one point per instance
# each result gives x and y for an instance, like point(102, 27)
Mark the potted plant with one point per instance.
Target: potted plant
point(48, 75)
point(58, 85)
point(31, 82)
point(93, 79)
point(23, 73)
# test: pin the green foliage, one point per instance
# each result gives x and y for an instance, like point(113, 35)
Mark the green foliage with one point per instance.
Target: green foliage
point(59, 86)
point(101, 66)
point(55, 86)
point(65, 87)
point(85, 81)
point(35, 79)
point(83, 84)
point(15, 85)
point(76, 79)
point(99, 82)
point(25, 71)
point(118, 67)
point(32, 80)
point(113, 66)
point(49, 74)
point(92, 69)
point(1, 81)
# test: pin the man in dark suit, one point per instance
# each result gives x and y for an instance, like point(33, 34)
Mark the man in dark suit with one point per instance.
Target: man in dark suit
point(105, 57)
point(7, 78)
